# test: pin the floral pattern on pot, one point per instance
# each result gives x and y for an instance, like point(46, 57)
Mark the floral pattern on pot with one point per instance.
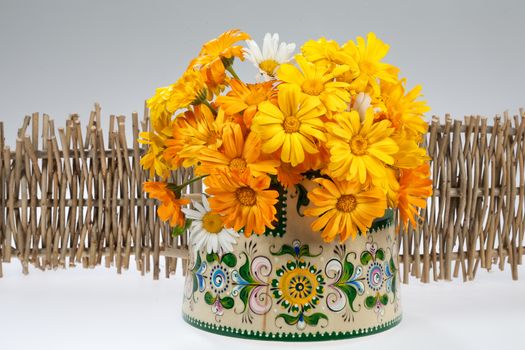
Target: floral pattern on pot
point(346, 283)
point(249, 283)
point(289, 286)
point(220, 282)
point(298, 287)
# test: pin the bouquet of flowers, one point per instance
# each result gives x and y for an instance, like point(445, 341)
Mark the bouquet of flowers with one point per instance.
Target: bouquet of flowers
point(332, 114)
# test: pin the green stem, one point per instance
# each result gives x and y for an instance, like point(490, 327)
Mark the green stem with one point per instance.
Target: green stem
point(232, 72)
point(177, 188)
point(208, 104)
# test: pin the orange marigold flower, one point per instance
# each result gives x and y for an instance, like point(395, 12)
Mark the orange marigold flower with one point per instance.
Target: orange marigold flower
point(289, 175)
point(243, 200)
point(237, 154)
point(245, 98)
point(344, 207)
point(195, 130)
point(404, 109)
point(217, 55)
point(415, 187)
point(170, 207)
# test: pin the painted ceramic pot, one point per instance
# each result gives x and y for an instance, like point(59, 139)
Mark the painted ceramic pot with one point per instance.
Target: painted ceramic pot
point(289, 285)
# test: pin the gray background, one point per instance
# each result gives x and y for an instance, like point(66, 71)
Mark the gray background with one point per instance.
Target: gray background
point(59, 57)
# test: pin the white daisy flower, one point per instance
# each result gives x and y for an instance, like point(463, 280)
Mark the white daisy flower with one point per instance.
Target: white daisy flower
point(273, 54)
point(207, 229)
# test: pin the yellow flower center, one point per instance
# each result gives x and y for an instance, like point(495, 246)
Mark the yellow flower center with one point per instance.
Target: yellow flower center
point(238, 164)
point(358, 145)
point(346, 203)
point(255, 98)
point(291, 124)
point(268, 66)
point(299, 286)
point(212, 222)
point(246, 196)
point(312, 87)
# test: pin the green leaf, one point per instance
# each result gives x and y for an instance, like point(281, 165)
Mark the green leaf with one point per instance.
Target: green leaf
point(313, 319)
point(209, 298)
point(195, 284)
point(198, 262)
point(351, 294)
point(179, 230)
point(285, 250)
point(393, 266)
point(244, 294)
point(289, 319)
point(211, 257)
point(302, 198)
point(380, 254)
point(370, 302)
point(229, 260)
point(384, 299)
point(366, 257)
point(304, 250)
point(244, 271)
point(348, 270)
point(227, 302)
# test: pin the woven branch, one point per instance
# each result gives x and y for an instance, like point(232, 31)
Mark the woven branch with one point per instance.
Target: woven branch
point(77, 198)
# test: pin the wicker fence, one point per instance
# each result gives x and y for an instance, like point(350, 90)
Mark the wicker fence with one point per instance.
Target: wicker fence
point(74, 196)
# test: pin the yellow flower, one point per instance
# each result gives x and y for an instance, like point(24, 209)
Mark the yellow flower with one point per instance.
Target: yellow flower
point(325, 52)
point(359, 149)
point(403, 110)
point(415, 188)
point(244, 201)
point(189, 89)
point(316, 81)
point(154, 160)
point(410, 155)
point(160, 116)
point(389, 184)
point(343, 207)
point(292, 127)
point(236, 154)
point(330, 54)
point(368, 56)
point(245, 98)
point(217, 55)
point(170, 207)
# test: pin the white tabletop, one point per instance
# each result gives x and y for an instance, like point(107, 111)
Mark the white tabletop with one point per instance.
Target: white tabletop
point(98, 309)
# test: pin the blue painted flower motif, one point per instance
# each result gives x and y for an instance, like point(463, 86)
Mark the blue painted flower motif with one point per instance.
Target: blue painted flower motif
point(219, 276)
point(375, 276)
point(196, 280)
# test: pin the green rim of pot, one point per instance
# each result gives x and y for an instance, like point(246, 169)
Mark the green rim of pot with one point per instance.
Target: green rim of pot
point(288, 337)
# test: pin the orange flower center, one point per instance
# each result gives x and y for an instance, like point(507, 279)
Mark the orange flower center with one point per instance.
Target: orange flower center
point(212, 222)
point(312, 87)
point(246, 196)
point(255, 98)
point(238, 164)
point(358, 145)
point(346, 203)
point(291, 124)
point(268, 66)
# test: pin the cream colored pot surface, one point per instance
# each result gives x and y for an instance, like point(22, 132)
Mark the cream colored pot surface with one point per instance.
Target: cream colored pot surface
point(290, 285)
